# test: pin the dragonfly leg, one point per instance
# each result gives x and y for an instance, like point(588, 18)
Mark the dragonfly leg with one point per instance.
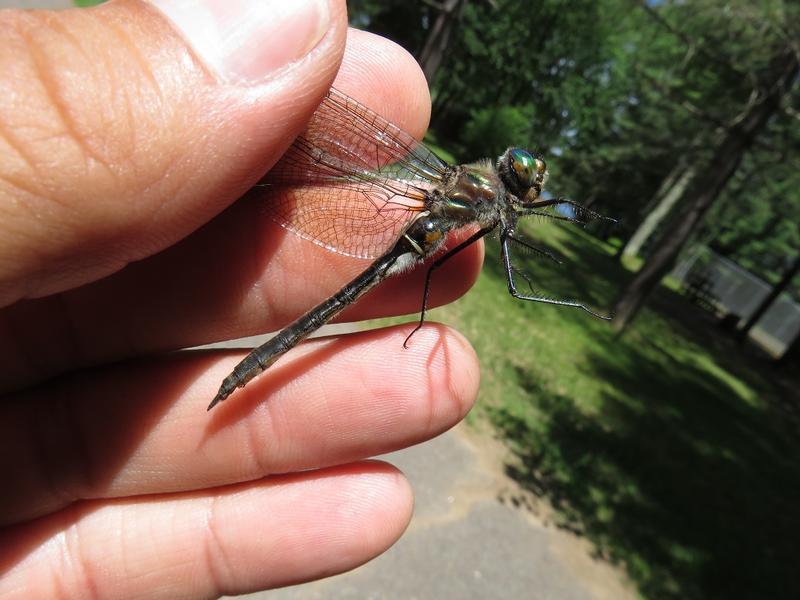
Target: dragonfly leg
point(539, 213)
point(436, 264)
point(541, 251)
point(505, 251)
point(529, 208)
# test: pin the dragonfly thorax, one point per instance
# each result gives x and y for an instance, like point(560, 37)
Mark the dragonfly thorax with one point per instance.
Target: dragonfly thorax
point(473, 194)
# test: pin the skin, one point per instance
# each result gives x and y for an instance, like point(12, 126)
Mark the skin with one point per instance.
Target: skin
point(119, 241)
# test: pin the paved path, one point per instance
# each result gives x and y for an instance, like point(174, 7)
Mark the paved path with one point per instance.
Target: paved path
point(51, 4)
point(464, 543)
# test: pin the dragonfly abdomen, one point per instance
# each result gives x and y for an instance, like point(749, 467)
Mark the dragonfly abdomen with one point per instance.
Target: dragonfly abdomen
point(264, 356)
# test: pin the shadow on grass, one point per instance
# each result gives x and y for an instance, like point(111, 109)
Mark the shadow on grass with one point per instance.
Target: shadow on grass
point(684, 468)
point(693, 493)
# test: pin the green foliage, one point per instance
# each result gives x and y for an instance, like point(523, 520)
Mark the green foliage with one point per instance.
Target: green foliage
point(400, 20)
point(85, 3)
point(511, 53)
point(616, 94)
point(490, 131)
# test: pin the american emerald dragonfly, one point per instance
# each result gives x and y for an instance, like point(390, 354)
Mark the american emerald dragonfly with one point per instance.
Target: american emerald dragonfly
point(356, 184)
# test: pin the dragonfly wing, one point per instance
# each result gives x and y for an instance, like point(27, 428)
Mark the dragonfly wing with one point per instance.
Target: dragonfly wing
point(352, 181)
point(360, 221)
point(344, 128)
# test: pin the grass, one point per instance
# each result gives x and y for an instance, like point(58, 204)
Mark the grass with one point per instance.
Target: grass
point(671, 448)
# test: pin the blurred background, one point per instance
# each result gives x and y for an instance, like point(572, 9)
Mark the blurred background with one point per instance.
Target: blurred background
point(667, 438)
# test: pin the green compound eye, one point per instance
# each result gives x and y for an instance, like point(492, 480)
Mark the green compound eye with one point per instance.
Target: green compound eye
point(525, 166)
point(528, 169)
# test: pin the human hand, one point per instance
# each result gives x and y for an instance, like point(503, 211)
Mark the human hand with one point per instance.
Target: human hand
point(121, 150)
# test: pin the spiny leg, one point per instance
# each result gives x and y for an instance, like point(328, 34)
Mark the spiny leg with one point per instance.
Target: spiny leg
point(529, 208)
point(436, 264)
point(539, 213)
point(526, 277)
point(542, 252)
point(505, 252)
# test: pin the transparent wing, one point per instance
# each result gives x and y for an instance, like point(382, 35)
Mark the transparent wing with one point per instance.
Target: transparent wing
point(352, 181)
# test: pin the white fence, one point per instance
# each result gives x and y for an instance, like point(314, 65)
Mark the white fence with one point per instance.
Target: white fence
point(739, 292)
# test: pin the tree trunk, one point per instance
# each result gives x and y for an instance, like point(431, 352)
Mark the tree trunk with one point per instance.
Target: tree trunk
point(432, 53)
point(668, 194)
point(776, 291)
point(706, 187)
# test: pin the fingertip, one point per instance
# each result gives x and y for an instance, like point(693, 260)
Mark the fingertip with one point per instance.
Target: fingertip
point(467, 380)
point(320, 523)
point(384, 76)
point(448, 365)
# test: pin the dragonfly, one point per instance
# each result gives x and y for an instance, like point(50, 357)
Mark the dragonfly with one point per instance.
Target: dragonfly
point(357, 184)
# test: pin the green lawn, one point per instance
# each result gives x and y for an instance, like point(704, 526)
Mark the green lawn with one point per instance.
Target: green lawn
point(675, 451)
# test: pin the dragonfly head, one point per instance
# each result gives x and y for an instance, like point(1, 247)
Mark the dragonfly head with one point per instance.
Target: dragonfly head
point(523, 173)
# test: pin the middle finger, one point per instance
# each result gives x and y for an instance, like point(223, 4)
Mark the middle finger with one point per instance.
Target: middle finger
point(142, 428)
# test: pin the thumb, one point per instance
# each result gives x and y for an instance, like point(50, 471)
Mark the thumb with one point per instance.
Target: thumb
point(125, 127)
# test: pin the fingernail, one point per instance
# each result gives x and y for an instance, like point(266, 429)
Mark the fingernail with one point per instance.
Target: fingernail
point(246, 41)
